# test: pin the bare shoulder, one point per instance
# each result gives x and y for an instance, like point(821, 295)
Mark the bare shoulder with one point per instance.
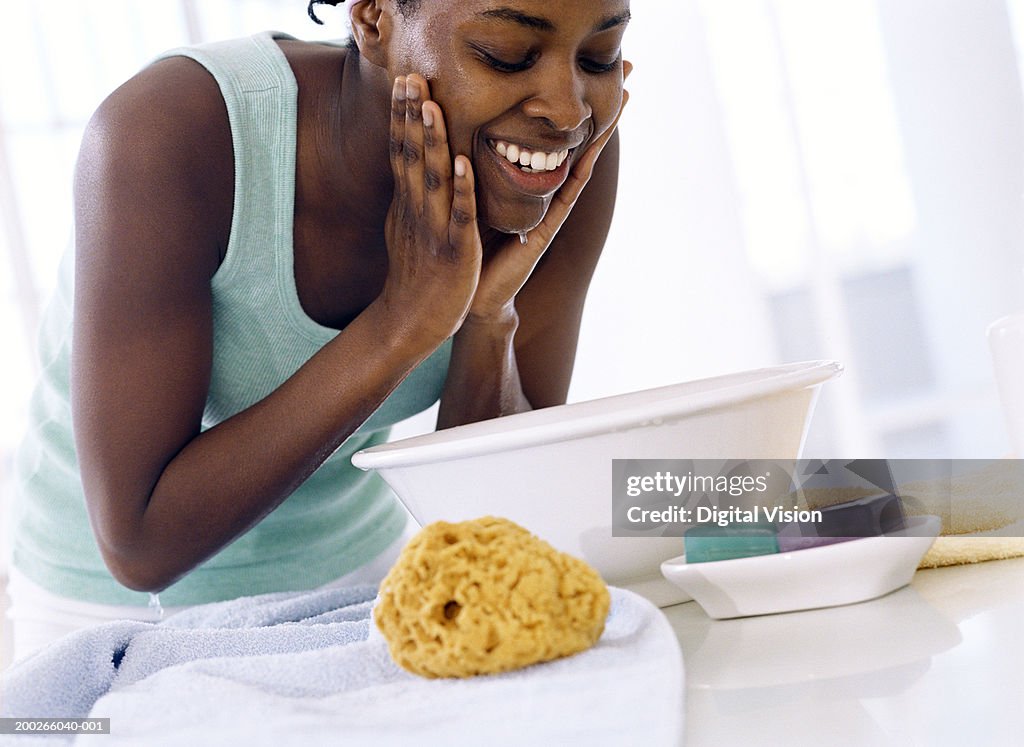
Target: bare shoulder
point(323, 57)
point(168, 111)
point(160, 145)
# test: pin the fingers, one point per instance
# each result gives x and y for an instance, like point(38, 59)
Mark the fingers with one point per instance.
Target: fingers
point(396, 136)
point(590, 157)
point(412, 145)
point(437, 169)
point(565, 198)
point(436, 204)
point(420, 159)
point(463, 234)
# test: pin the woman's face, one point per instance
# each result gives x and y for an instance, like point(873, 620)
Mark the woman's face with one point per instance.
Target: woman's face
point(512, 77)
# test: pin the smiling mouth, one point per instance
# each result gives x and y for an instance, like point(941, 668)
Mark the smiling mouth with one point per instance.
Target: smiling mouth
point(530, 161)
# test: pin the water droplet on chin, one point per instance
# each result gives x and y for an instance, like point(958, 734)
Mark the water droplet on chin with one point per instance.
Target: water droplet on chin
point(155, 606)
point(522, 237)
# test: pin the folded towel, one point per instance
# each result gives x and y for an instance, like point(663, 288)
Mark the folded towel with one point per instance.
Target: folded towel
point(65, 679)
point(976, 548)
point(302, 668)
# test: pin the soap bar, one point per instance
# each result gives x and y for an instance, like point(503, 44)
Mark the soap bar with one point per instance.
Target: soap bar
point(865, 517)
point(790, 538)
point(710, 542)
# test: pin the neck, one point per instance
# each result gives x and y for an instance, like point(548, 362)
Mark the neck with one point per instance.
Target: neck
point(353, 174)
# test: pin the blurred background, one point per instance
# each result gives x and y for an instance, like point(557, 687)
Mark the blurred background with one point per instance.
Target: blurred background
point(801, 179)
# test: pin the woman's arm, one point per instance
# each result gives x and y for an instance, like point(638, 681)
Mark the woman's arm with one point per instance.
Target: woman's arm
point(523, 357)
point(153, 211)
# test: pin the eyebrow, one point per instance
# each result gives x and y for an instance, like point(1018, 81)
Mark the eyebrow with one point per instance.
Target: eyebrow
point(512, 15)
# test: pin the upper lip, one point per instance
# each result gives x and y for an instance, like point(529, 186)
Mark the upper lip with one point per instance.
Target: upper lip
point(533, 146)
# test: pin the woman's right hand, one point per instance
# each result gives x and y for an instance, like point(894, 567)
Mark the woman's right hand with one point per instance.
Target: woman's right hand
point(433, 241)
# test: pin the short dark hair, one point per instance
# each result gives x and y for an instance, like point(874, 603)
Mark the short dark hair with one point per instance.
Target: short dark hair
point(404, 6)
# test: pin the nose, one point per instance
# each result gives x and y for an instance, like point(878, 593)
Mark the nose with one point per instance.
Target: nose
point(560, 97)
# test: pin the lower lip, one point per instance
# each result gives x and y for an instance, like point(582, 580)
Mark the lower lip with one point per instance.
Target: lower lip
point(538, 183)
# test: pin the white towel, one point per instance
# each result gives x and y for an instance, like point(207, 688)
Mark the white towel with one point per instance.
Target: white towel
point(285, 669)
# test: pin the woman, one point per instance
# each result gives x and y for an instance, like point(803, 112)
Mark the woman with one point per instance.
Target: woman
point(282, 248)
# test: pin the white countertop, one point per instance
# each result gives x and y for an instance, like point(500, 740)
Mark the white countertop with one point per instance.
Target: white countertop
point(939, 662)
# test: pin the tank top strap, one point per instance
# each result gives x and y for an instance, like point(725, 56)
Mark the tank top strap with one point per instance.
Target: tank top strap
point(260, 94)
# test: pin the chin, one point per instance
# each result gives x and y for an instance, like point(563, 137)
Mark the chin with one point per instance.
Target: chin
point(511, 217)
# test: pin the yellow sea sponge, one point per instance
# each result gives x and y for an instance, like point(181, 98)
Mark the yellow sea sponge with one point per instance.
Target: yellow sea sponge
point(487, 596)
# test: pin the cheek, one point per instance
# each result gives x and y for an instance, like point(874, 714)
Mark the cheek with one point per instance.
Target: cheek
point(463, 113)
point(452, 86)
point(606, 99)
point(414, 52)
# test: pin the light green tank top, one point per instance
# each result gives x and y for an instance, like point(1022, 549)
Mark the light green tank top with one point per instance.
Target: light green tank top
point(337, 520)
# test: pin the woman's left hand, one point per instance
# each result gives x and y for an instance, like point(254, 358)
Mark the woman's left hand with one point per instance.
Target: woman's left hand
point(507, 269)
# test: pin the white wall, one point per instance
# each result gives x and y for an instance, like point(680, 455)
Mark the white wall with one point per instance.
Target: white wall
point(678, 295)
point(673, 297)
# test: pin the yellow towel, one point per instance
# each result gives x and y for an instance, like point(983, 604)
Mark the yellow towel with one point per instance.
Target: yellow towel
point(960, 550)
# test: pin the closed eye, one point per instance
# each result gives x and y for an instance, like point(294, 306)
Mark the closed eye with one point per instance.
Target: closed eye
point(502, 65)
point(594, 66)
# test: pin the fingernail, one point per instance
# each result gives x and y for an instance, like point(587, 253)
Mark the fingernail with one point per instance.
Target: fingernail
point(428, 117)
point(411, 90)
point(399, 89)
point(460, 167)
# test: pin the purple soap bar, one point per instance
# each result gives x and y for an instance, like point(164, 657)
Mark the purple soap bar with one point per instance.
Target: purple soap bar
point(790, 539)
point(870, 516)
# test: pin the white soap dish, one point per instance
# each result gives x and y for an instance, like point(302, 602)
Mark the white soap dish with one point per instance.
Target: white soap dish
point(827, 576)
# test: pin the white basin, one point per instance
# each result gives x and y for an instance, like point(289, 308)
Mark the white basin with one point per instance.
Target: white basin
point(550, 470)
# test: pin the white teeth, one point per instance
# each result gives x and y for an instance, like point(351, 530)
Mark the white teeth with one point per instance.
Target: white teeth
point(530, 161)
